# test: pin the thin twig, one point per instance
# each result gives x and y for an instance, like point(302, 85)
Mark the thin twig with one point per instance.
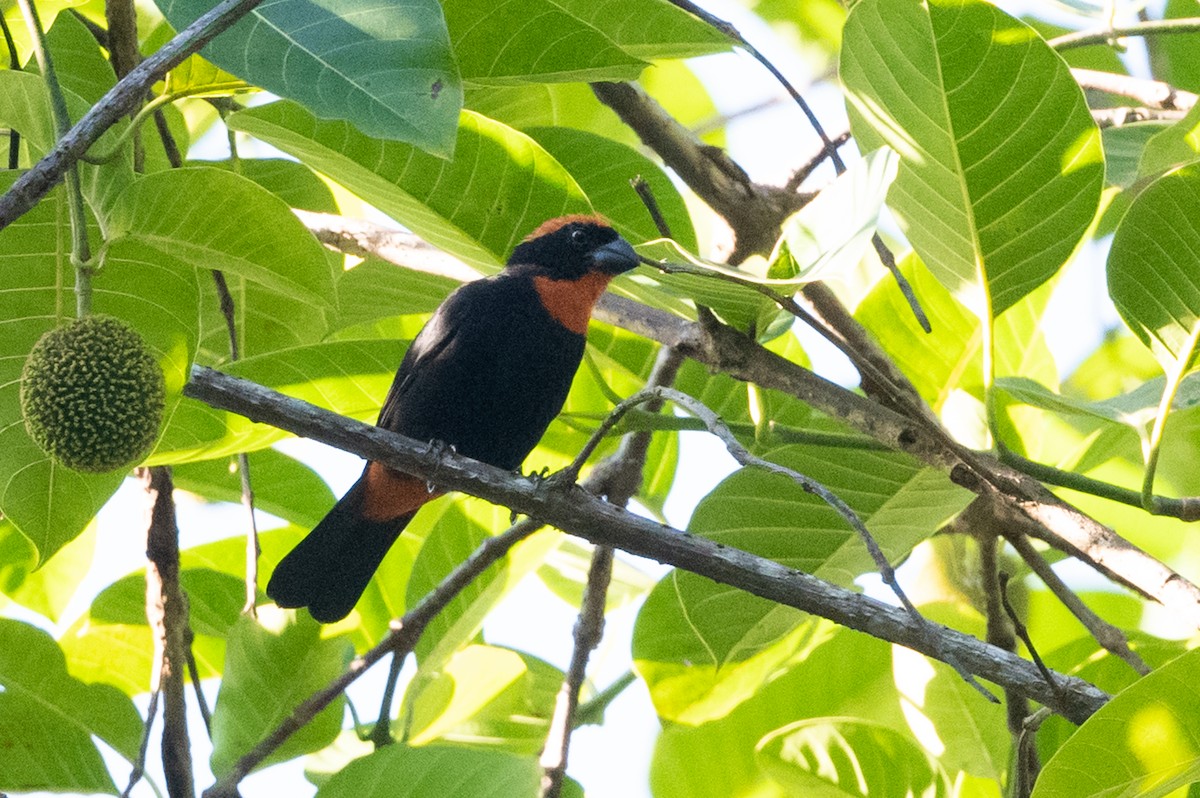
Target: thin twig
point(800, 175)
point(617, 478)
point(1023, 633)
point(197, 687)
point(124, 96)
point(1110, 637)
point(646, 195)
point(1185, 509)
point(14, 63)
point(139, 766)
point(733, 33)
point(400, 641)
point(1109, 35)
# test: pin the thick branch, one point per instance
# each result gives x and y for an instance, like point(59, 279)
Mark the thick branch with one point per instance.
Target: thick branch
point(166, 609)
point(573, 510)
point(1151, 93)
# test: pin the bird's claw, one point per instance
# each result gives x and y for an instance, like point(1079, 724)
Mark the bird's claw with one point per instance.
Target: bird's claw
point(435, 450)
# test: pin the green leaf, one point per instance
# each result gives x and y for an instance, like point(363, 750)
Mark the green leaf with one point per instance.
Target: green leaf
point(1126, 148)
point(387, 69)
point(282, 485)
point(488, 697)
point(459, 532)
point(292, 182)
point(49, 589)
point(604, 168)
point(1135, 409)
point(537, 40)
point(198, 77)
point(702, 647)
point(831, 757)
point(499, 187)
point(48, 503)
point(48, 718)
point(48, 11)
point(566, 569)
point(1141, 743)
point(828, 236)
point(213, 219)
point(838, 673)
point(286, 652)
point(949, 359)
point(376, 289)
point(25, 107)
point(1175, 146)
point(398, 771)
point(1152, 269)
point(347, 377)
point(1001, 165)
point(78, 62)
point(1178, 54)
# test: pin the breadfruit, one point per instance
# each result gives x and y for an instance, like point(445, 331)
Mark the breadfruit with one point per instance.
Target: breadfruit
point(92, 394)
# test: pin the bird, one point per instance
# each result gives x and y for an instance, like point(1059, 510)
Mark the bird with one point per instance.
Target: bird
point(486, 375)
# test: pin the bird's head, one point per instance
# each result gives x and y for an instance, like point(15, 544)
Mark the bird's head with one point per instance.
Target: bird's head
point(569, 247)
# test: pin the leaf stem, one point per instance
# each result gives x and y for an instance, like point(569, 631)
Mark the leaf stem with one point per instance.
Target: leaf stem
point(80, 251)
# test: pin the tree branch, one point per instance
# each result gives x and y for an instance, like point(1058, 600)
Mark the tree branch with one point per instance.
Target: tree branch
point(119, 101)
point(1151, 93)
point(573, 510)
point(904, 424)
point(1109, 36)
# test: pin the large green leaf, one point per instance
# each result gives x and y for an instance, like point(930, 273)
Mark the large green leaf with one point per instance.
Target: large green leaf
point(47, 590)
point(282, 485)
point(488, 696)
point(1145, 742)
point(385, 67)
point(1001, 166)
point(78, 62)
point(832, 757)
point(25, 107)
point(572, 40)
point(347, 377)
point(838, 673)
point(48, 719)
point(703, 647)
point(48, 503)
point(949, 359)
point(398, 771)
point(214, 219)
point(538, 40)
point(499, 186)
point(288, 653)
point(457, 534)
point(1154, 268)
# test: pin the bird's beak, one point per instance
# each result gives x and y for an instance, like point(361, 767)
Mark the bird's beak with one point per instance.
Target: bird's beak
point(615, 257)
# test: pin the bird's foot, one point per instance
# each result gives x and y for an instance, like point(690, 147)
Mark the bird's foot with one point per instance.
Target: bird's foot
point(435, 452)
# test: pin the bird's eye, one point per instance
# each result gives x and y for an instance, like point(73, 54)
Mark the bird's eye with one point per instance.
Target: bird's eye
point(578, 237)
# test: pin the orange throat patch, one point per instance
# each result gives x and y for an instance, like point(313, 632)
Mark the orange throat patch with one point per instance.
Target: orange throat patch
point(570, 302)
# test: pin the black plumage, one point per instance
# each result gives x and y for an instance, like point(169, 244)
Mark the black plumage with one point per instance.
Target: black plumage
point(486, 375)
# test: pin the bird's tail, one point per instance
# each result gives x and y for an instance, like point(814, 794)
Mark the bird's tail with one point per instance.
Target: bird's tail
point(329, 570)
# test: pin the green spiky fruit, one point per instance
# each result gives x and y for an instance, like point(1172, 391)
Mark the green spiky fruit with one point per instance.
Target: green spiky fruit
point(92, 394)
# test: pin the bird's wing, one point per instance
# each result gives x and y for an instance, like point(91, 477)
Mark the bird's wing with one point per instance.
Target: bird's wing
point(436, 341)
